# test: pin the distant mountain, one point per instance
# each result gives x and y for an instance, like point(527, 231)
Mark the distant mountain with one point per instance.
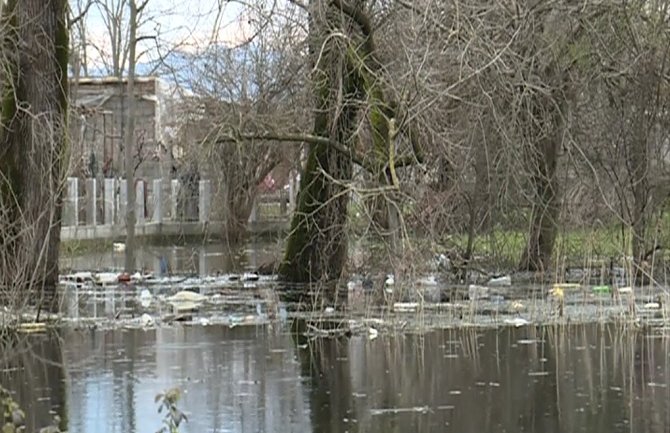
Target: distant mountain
point(214, 68)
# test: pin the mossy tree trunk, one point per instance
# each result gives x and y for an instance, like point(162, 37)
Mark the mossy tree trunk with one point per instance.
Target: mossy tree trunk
point(316, 248)
point(32, 146)
point(346, 78)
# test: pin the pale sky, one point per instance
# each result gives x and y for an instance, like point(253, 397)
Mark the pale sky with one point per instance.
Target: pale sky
point(187, 24)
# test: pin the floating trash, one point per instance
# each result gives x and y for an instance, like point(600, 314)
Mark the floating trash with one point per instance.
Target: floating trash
point(602, 289)
point(145, 298)
point(147, 321)
point(251, 276)
point(106, 278)
point(186, 296)
point(517, 322)
point(185, 301)
point(404, 307)
point(566, 286)
point(32, 327)
point(504, 280)
point(652, 306)
point(417, 409)
point(528, 341)
point(517, 306)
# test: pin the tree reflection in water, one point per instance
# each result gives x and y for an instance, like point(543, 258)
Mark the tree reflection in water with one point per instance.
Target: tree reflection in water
point(31, 366)
point(595, 378)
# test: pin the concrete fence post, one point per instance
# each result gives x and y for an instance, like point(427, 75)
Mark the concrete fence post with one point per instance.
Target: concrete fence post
point(71, 207)
point(109, 195)
point(91, 202)
point(174, 198)
point(140, 211)
point(204, 196)
point(157, 216)
point(123, 203)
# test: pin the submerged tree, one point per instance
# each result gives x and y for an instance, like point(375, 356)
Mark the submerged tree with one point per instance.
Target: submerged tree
point(349, 90)
point(625, 123)
point(33, 147)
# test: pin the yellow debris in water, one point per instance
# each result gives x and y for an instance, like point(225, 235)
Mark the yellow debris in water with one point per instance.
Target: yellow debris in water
point(557, 292)
point(32, 327)
point(517, 306)
point(565, 286)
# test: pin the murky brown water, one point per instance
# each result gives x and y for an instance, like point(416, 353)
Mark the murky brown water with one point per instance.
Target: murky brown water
point(590, 378)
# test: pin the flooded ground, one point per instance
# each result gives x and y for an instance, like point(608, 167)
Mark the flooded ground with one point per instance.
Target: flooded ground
point(194, 258)
point(418, 354)
point(590, 378)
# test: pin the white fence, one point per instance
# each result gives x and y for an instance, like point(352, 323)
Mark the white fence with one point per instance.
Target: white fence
point(98, 210)
point(155, 201)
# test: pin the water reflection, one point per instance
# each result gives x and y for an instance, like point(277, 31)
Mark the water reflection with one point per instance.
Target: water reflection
point(591, 378)
point(200, 258)
point(32, 369)
point(235, 380)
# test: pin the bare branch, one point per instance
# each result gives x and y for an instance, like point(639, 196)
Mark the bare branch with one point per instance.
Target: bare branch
point(72, 21)
point(298, 138)
point(300, 4)
point(363, 22)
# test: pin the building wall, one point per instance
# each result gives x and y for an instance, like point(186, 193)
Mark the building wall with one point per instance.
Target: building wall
point(99, 109)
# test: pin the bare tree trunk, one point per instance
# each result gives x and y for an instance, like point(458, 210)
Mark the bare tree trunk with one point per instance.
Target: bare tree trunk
point(637, 160)
point(546, 205)
point(32, 147)
point(480, 201)
point(129, 144)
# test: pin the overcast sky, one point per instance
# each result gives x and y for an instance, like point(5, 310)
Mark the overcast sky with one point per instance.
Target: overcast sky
point(188, 24)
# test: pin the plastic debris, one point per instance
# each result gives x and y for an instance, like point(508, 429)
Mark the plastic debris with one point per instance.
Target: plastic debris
point(504, 280)
point(403, 307)
point(32, 327)
point(145, 298)
point(517, 322)
point(147, 320)
point(186, 296)
point(566, 286)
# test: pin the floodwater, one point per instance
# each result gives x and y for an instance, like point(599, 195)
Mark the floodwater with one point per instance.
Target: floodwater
point(589, 378)
point(195, 258)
